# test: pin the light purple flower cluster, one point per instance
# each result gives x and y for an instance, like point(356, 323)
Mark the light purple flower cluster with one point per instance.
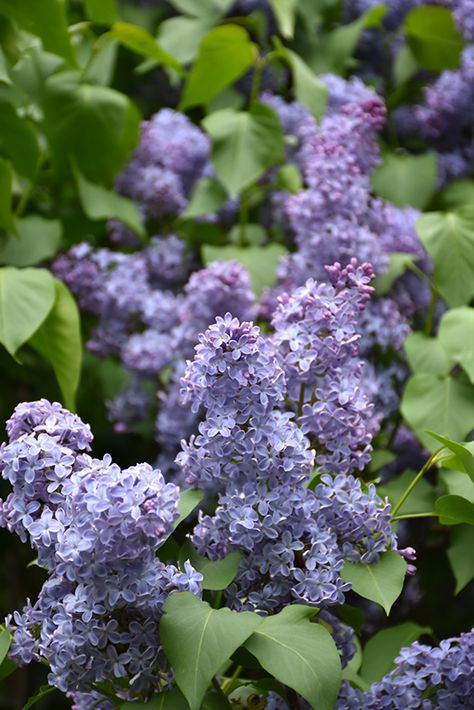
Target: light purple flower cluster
point(173, 153)
point(432, 678)
point(96, 529)
point(250, 447)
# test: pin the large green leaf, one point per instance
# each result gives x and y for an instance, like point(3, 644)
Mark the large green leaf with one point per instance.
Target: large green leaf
point(244, 144)
point(100, 203)
point(460, 555)
point(456, 335)
point(95, 125)
point(198, 640)
point(420, 500)
point(462, 453)
point(261, 262)
point(453, 510)
point(458, 194)
point(433, 37)
point(189, 498)
point(217, 574)
point(6, 177)
point(299, 654)
point(5, 641)
point(406, 179)
point(140, 41)
point(449, 240)
point(173, 700)
point(181, 36)
point(18, 141)
point(59, 341)
point(225, 53)
point(102, 11)
point(309, 90)
point(285, 12)
point(381, 582)
point(38, 239)
point(398, 263)
point(440, 404)
point(426, 354)
point(456, 482)
point(46, 19)
point(207, 197)
point(381, 649)
point(26, 298)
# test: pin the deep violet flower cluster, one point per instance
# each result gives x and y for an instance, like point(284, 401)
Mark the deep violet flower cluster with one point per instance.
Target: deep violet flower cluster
point(96, 529)
point(432, 678)
point(254, 450)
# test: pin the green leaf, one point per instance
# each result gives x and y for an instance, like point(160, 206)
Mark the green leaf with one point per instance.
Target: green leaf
point(202, 8)
point(26, 298)
point(99, 204)
point(426, 354)
point(460, 555)
point(405, 66)
point(290, 178)
point(208, 196)
point(18, 141)
point(225, 53)
point(5, 641)
point(38, 239)
point(453, 510)
point(420, 500)
point(102, 11)
point(456, 482)
point(299, 654)
point(7, 668)
point(398, 263)
point(285, 11)
point(456, 335)
point(406, 179)
point(381, 649)
point(59, 341)
point(6, 177)
point(433, 38)
point(458, 194)
point(188, 500)
point(46, 19)
point(218, 574)
point(261, 262)
point(181, 36)
point(449, 240)
point(462, 453)
point(309, 90)
point(95, 125)
point(100, 69)
point(173, 700)
point(42, 693)
point(197, 641)
point(381, 582)
point(244, 145)
point(440, 404)
point(33, 69)
point(140, 41)
point(4, 73)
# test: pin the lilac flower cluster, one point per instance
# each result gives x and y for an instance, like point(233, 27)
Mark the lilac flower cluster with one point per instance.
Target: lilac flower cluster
point(432, 678)
point(254, 447)
point(96, 529)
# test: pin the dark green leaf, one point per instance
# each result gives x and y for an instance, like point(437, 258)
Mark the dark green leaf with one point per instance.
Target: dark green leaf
point(309, 90)
point(59, 341)
point(95, 125)
point(5, 641)
point(460, 555)
point(140, 41)
point(299, 654)
point(4, 73)
point(462, 453)
point(381, 650)
point(433, 37)
point(188, 500)
point(218, 574)
point(99, 204)
point(208, 196)
point(6, 177)
point(285, 11)
point(225, 53)
point(458, 194)
point(453, 510)
point(26, 298)
point(426, 354)
point(244, 144)
point(46, 19)
point(261, 262)
point(7, 668)
point(456, 335)
point(18, 141)
point(440, 404)
point(173, 700)
point(398, 263)
point(103, 11)
point(406, 179)
point(38, 239)
point(381, 582)
point(198, 639)
point(42, 693)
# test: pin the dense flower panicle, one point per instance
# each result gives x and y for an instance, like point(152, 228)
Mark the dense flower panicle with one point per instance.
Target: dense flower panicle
point(463, 12)
point(52, 419)
point(149, 352)
point(432, 678)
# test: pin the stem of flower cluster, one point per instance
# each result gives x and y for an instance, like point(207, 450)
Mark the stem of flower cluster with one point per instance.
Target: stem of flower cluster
point(229, 684)
point(431, 461)
point(431, 514)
